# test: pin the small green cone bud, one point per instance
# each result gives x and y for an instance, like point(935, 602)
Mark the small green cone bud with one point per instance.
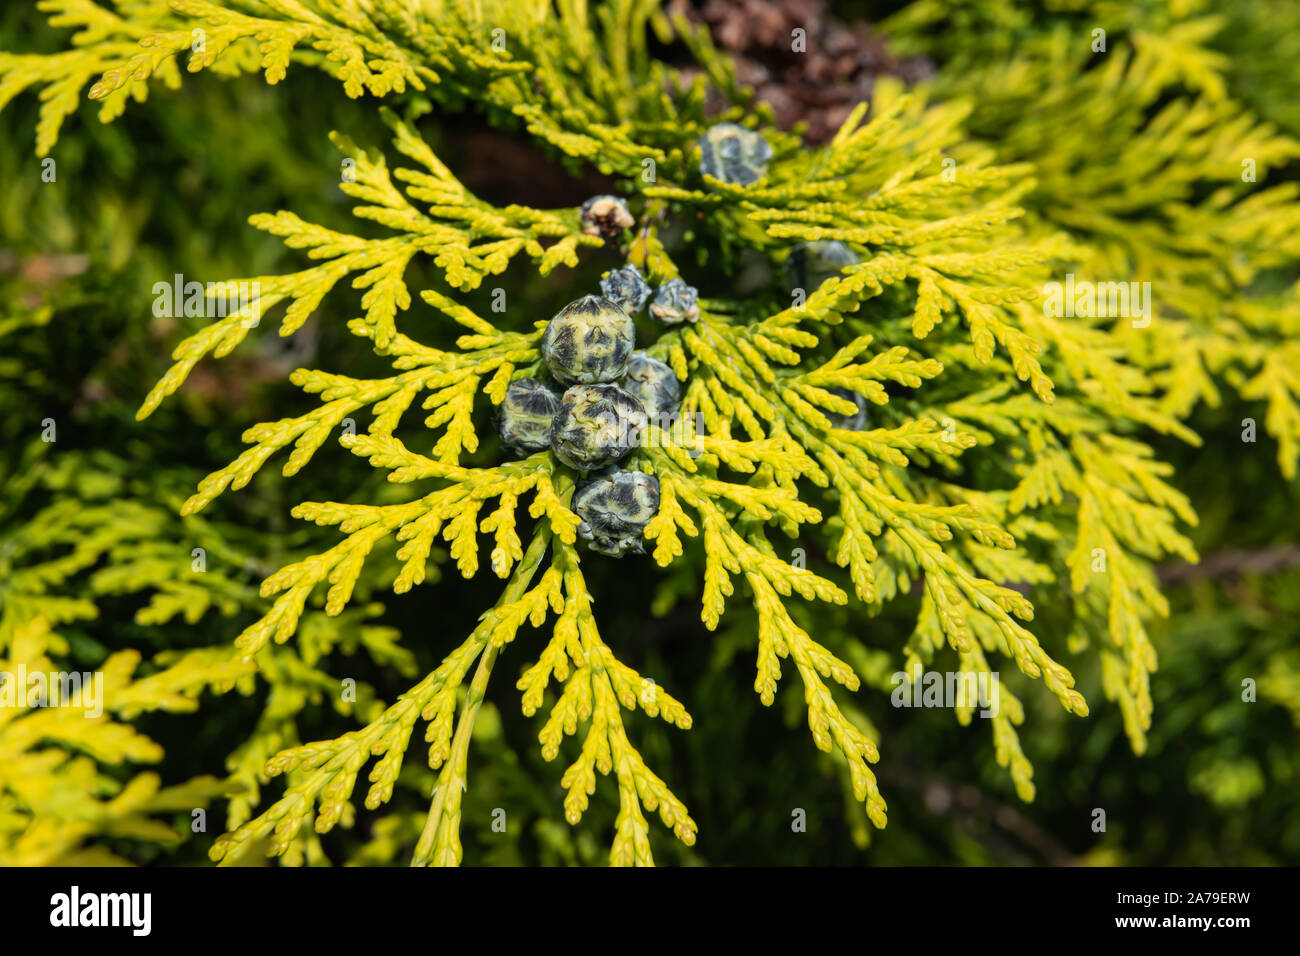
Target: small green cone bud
point(626, 288)
point(734, 154)
point(615, 507)
point(812, 263)
point(525, 417)
point(596, 425)
point(675, 303)
point(589, 340)
point(654, 385)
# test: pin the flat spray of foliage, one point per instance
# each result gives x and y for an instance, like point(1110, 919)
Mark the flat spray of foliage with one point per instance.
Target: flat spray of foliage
point(1004, 450)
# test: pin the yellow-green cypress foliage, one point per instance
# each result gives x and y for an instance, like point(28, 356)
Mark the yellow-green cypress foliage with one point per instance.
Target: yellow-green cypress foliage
point(1154, 173)
point(1004, 446)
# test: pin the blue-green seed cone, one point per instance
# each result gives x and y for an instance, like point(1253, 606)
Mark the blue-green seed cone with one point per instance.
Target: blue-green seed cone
point(526, 414)
point(734, 154)
point(615, 507)
point(675, 302)
point(588, 341)
point(626, 288)
point(596, 425)
point(654, 385)
point(812, 263)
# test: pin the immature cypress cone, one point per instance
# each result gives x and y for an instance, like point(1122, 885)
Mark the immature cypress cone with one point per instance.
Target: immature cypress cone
point(626, 288)
point(734, 154)
point(605, 216)
point(596, 425)
point(589, 340)
point(812, 263)
point(675, 302)
point(526, 414)
point(615, 507)
point(653, 384)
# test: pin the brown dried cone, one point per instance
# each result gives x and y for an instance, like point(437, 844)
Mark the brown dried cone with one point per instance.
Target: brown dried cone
point(835, 71)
